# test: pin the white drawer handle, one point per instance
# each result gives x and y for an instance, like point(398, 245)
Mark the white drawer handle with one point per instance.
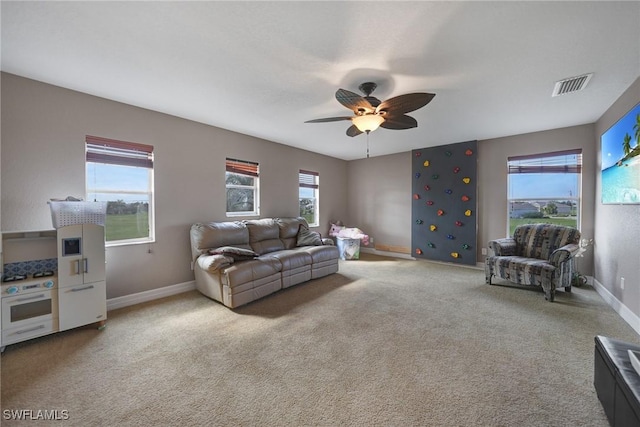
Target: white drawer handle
point(24, 331)
point(30, 298)
point(82, 289)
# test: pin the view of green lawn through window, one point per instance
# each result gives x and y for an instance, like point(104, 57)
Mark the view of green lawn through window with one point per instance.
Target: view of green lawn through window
point(121, 174)
point(308, 192)
point(544, 188)
point(570, 221)
point(127, 226)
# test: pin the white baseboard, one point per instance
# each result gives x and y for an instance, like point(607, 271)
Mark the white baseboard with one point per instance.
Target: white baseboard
point(408, 256)
point(629, 316)
point(150, 295)
point(386, 253)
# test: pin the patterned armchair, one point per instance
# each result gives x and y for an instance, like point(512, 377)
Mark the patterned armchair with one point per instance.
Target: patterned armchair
point(537, 255)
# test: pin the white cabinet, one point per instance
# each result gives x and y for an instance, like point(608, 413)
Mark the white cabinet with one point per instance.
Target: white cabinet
point(82, 292)
point(82, 304)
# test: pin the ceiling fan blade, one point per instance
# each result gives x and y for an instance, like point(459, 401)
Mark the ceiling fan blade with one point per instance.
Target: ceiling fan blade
point(405, 103)
point(353, 131)
point(353, 101)
point(399, 122)
point(329, 119)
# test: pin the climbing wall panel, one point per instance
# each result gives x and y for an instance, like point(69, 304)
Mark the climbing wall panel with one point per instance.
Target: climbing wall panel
point(444, 203)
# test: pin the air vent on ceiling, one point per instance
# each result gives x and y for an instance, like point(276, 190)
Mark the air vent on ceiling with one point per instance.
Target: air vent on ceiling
point(572, 84)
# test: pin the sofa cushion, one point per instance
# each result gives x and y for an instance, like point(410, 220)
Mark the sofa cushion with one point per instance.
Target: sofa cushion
point(307, 237)
point(264, 235)
point(320, 253)
point(291, 260)
point(540, 240)
point(217, 234)
point(237, 254)
point(289, 230)
point(240, 273)
point(523, 271)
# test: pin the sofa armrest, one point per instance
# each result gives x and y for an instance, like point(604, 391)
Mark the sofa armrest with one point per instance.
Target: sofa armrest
point(503, 247)
point(212, 263)
point(564, 254)
point(327, 241)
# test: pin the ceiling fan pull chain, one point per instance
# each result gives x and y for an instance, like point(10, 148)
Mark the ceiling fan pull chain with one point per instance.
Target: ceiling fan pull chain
point(368, 144)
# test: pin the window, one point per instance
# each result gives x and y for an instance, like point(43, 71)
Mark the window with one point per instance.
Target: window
point(121, 174)
point(545, 188)
point(308, 196)
point(242, 181)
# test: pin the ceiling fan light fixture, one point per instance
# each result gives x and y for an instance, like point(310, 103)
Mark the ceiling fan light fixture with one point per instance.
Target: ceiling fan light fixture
point(368, 122)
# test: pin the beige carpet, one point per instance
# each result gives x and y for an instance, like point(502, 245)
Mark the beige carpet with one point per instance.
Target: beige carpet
point(384, 342)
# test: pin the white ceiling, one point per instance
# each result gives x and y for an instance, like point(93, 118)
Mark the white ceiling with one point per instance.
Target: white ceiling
point(263, 68)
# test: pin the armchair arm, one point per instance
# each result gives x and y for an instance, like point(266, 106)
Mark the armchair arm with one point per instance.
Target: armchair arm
point(564, 254)
point(503, 247)
point(212, 263)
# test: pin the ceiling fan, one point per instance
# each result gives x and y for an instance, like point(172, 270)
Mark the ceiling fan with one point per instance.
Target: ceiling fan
point(371, 113)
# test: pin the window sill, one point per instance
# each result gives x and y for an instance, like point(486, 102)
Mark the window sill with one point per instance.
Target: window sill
point(242, 215)
point(128, 243)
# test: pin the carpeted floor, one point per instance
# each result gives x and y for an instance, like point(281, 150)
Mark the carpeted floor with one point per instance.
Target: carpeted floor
point(385, 342)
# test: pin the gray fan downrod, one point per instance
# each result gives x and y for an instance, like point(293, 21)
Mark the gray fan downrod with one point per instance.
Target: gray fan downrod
point(367, 88)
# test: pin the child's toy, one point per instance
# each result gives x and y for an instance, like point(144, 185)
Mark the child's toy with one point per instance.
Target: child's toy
point(339, 230)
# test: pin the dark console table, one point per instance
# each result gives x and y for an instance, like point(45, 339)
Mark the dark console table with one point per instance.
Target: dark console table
point(617, 383)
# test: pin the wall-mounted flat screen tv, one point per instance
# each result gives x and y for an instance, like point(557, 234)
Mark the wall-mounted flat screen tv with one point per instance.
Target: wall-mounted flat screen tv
point(621, 160)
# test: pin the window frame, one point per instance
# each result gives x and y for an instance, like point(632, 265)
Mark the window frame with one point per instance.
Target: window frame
point(543, 163)
point(100, 150)
point(310, 179)
point(243, 168)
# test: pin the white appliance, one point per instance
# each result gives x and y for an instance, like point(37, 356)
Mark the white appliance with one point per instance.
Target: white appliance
point(82, 290)
point(29, 307)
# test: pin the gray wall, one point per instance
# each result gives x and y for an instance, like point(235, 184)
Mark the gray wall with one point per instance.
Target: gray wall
point(617, 237)
point(380, 187)
point(43, 136)
point(380, 199)
point(492, 179)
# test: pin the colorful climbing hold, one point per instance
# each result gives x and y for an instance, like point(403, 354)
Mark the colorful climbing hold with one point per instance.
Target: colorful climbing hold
point(469, 152)
point(450, 237)
point(419, 221)
point(447, 153)
point(427, 188)
point(440, 212)
point(417, 175)
point(433, 227)
point(418, 251)
point(466, 180)
point(465, 198)
point(468, 212)
point(459, 223)
point(455, 254)
point(448, 191)
point(426, 163)
point(466, 246)
point(418, 154)
point(435, 176)
point(429, 202)
point(456, 169)
point(416, 196)
point(431, 245)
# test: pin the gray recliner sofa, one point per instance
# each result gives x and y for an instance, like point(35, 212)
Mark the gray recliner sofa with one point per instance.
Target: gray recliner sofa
point(237, 262)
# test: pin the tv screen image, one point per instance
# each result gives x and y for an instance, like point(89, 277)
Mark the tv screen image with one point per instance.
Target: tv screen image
point(621, 160)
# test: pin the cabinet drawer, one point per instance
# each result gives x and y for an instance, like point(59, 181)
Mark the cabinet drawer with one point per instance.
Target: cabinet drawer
point(82, 304)
point(22, 333)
